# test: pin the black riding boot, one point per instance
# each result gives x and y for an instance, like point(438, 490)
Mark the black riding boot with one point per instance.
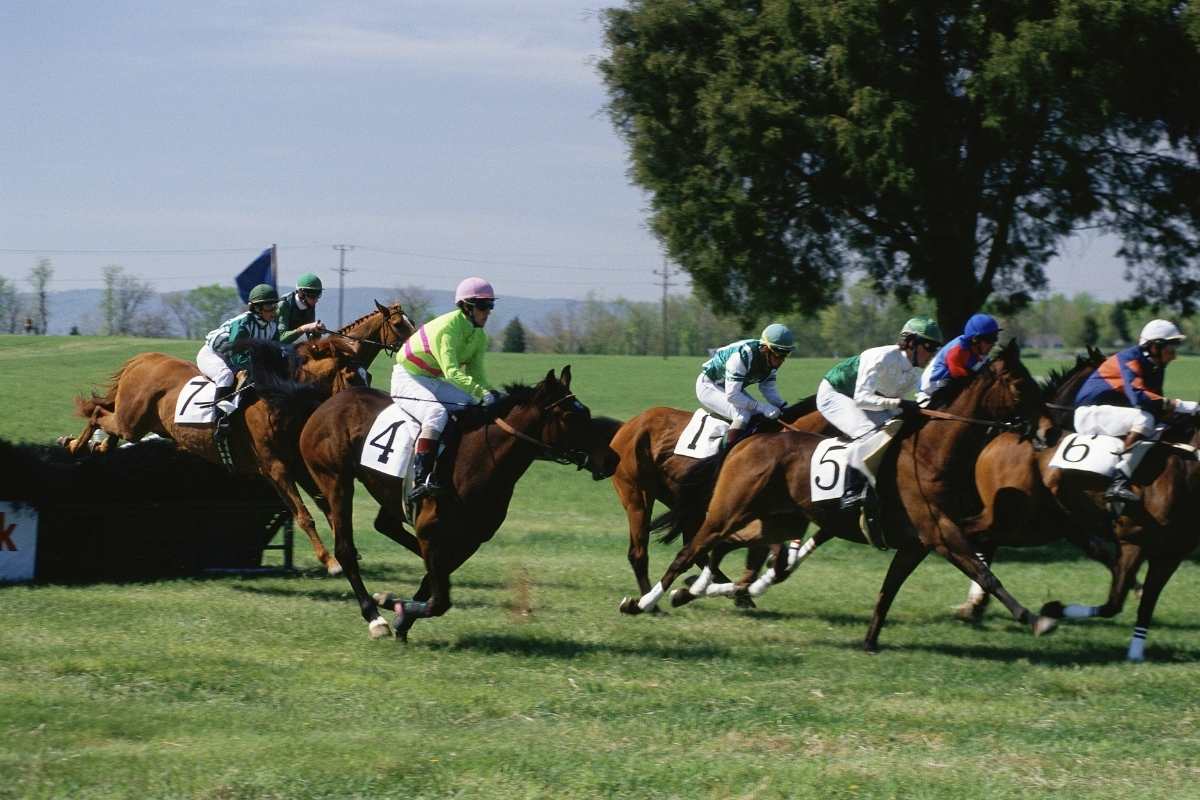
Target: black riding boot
point(424, 480)
point(221, 419)
point(1119, 489)
point(855, 488)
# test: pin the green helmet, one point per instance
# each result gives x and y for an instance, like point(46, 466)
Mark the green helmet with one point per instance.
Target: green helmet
point(778, 338)
point(309, 281)
point(923, 327)
point(263, 293)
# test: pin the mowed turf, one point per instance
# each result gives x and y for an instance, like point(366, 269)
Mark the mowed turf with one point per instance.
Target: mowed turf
point(534, 686)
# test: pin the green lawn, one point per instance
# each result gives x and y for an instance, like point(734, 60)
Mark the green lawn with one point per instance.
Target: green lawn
point(268, 687)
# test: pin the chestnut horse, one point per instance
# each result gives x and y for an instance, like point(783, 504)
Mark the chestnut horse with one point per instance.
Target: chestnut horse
point(649, 471)
point(924, 486)
point(480, 467)
point(142, 395)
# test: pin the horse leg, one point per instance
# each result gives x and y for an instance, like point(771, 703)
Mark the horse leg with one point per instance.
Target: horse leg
point(977, 600)
point(1160, 571)
point(699, 546)
point(704, 584)
point(285, 487)
point(340, 496)
point(956, 551)
point(393, 528)
point(638, 506)
point(903, 563)
point(1128, 561)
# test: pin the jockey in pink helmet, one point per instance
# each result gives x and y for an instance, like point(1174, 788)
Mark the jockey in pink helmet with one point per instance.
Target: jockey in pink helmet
point(441, 367)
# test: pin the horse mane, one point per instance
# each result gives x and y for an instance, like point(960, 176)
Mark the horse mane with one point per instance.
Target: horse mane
point(1054, 381)
point(272, 368)
point(328, 347)
point(515, 394)
point(350, 325)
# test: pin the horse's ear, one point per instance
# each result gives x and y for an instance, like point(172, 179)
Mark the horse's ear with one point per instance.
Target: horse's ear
point(564, 377)
point(550, 377)
point(381, 308)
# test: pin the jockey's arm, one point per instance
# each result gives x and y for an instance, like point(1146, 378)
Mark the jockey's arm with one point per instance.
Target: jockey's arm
point(1137, 393)
point(466, 375)
point(958, 362)
point(866, 394)
point(770, 391)
point(735, 386)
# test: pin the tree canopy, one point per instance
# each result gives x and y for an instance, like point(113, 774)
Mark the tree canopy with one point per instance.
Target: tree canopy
point(940, 146)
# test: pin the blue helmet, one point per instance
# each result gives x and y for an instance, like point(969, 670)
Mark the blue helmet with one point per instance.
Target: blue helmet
point(981, 325)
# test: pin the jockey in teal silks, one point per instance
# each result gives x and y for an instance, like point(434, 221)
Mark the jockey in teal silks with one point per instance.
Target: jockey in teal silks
point(217, 358)
point(297, 310)
point(442, 365)
point(721, 386)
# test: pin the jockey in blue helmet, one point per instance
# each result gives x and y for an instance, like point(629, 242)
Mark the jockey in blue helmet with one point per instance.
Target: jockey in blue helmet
point(962, 355)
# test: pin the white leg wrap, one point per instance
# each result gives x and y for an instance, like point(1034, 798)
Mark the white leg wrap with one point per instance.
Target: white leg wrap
point(1074, 611)
point(720, 590)
point(798, 552)
point(759, 587)
point(975, 593)
point(651, 598)
point(701, 583)
point(1137, 645)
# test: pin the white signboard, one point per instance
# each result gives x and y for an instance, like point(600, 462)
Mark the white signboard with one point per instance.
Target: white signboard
point(18, 542)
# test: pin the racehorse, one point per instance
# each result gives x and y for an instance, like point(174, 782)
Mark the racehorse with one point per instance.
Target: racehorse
point(142, 397)
point(923, 481)
point(480, 467)
point(649, 471)
point(384, 329)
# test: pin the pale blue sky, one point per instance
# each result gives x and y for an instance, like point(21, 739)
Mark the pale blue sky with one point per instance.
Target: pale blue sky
point(441, 138)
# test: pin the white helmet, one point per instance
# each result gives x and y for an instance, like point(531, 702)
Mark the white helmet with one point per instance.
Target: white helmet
point(1160, 330)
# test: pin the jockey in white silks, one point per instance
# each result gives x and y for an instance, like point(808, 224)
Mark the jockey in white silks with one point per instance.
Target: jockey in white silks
point(721, 385)
point(862, 393)
point(441, 365)
point(1124, 397)
point(217, 358)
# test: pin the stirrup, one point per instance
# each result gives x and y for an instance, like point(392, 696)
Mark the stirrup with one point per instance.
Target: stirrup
point(1119, 491)
point(425, 488)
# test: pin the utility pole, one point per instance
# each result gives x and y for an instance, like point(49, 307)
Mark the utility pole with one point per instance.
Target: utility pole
point(666, 273)
point(341, 271)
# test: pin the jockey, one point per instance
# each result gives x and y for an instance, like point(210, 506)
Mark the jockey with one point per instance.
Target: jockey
point(1123, 397)
point(721, 386)
point(962, 355)
point(217, 359)
point(297, 310)
point(442, 364)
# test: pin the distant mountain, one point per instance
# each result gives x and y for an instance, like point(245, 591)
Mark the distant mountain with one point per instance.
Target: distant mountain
point(81, 308)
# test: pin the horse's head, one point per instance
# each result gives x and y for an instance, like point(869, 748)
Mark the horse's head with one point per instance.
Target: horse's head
point(1011, 390)
point(331, 363)
point(395, 327)
point(565, 425)
point(602, 460)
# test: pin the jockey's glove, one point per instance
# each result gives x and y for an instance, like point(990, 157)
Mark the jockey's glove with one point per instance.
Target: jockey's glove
point(1186, 407)
point(770, 412)
point(490, 397)
point(910, 409)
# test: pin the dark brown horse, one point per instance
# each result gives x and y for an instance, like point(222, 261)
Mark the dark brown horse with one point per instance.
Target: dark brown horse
point(924, 487)
point(493, 449)
point(1026, 501)
point(649, 471)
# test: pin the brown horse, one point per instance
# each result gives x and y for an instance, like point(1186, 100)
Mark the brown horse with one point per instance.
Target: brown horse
point(481, 465)
point(649, 472)
point(1026, 501)
point(383, 330)
point(924, 486)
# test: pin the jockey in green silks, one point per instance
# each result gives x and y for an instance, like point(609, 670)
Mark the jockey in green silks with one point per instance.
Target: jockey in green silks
point(217, 358)
point(721, 386)
point(441, 365)
point(297, 310)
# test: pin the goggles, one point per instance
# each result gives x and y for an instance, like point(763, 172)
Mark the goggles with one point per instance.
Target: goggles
point(309, 294)
point(482, 303)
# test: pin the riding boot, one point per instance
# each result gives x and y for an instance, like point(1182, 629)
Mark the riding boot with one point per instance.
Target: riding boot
point(424, 478)
point(732, 436)
point(1119, 489)
point(855, 489)
point(220, 414)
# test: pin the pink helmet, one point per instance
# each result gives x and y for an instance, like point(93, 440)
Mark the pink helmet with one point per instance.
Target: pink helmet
point(474, 289)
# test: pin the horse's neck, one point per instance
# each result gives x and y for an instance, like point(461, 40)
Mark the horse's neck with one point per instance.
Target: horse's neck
point(368, 327)
point(954, 437)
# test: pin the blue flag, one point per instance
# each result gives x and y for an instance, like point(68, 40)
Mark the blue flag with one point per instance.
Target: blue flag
point(260, 270)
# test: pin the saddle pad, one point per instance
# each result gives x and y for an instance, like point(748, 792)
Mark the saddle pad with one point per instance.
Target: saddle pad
point(194, 406)
point(1088, 452)
point(702, 436)
point(388, 447)
point(827, 473)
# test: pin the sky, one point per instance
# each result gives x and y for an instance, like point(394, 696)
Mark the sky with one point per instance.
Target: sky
point(439, 139)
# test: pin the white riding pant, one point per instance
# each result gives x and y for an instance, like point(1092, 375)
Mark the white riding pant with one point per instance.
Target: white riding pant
point(845, 415)
point(212, 365)
point(712, 397)
point(428, 399)
point(1113, 420)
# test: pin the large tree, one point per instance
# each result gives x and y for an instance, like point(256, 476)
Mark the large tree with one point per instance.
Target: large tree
point(943, 146)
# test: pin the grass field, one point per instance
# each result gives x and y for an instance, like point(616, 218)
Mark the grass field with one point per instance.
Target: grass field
point(268, 687)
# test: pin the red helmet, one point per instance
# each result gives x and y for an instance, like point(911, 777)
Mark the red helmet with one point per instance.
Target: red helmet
point(474, 289)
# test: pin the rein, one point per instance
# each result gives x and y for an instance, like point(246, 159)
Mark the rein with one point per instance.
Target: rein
point(579, 459)
point(990, 423)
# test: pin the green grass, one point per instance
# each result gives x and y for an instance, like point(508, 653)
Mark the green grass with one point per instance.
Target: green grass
point(268, 686)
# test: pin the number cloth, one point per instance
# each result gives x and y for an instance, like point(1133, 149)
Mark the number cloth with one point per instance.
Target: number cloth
point(290, 314)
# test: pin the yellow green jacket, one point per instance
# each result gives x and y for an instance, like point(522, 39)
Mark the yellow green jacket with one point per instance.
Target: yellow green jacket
point(448, 347)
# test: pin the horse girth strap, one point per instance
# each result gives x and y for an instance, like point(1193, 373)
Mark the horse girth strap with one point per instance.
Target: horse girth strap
point(991, 423)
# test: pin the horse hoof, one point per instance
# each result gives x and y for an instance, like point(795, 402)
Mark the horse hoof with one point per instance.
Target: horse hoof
point(333, 568)
point(742, 599)
point(1052, 609)
point(63, 441)
point(871, 648)
point(630, 606)
point(681, 597)
point(969, 612)
point(379, 629)
point(1044, 625)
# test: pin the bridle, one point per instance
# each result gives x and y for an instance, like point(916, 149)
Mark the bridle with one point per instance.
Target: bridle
point(580, 458)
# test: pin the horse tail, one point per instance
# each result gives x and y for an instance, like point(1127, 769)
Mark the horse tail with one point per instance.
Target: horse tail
point(86, 406)
point(691, 501)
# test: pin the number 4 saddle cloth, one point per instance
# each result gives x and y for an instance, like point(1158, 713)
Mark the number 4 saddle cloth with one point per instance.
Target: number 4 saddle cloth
point(388, 447)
